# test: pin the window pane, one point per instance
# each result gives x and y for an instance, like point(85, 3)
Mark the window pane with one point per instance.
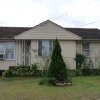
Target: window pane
point(40, 48)
point(51, 47)
point(86, 49)
point(1, 56)
point(2, 48)
point(45, 47)
point(10, 50)
point(85, 45)
point(9, 54)
point(86, 53)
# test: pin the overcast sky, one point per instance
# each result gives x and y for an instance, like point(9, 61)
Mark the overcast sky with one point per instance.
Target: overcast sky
point(67, 13)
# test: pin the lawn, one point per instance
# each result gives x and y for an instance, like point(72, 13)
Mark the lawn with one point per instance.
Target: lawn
point(83, 88)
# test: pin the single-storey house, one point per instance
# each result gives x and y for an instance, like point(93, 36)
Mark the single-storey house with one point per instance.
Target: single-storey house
point(29, 45)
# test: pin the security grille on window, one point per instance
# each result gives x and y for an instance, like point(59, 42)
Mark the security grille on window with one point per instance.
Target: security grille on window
point(86, 49)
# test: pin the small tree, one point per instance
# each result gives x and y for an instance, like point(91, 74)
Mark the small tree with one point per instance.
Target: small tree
point(80, 58)
point(57, 68)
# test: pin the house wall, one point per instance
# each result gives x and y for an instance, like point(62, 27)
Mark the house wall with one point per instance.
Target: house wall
point(68, 53)
point(50, 31)
point(4, 64)
point(94, 51)
point(78, 47)
point(94, 47)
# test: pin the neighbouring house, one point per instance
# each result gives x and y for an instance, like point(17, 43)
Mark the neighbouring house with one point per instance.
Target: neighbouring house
point(29, 45)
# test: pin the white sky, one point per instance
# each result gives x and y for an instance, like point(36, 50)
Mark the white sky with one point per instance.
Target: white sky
point(67, 13)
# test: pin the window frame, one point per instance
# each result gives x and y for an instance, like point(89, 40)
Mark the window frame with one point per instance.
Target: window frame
point(50, 42)
point(5, 50)
point(86, 49)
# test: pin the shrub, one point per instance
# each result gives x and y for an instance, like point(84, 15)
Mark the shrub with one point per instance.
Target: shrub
point(34, 70)
point(80, 58)
point(48, 81)
point(23, 71)
point(8, 73)
point(87, 68)
point(71, 73)
point(57, 68)
point(78, 72)
point(87, 71)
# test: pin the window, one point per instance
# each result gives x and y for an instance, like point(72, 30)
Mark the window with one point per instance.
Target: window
point(86, 49)
point(2, 48)
point(2, 51)
point(40, 48)
point(45, 47)
point(8, 49)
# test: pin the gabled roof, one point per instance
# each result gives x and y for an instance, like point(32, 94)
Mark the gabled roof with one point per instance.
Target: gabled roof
point(86, 33)
point(10, 32)
point(47, 30)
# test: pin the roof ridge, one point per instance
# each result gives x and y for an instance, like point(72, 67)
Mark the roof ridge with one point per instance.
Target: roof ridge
point(80, 28)
point(13, 27)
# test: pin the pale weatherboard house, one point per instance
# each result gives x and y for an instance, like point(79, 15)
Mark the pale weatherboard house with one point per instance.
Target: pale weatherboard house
point(29, 45)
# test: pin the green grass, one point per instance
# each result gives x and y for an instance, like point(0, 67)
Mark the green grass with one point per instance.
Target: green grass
point(83, 88)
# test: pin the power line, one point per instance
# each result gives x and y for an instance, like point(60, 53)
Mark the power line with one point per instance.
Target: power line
point(57, 18)
point(89, 23)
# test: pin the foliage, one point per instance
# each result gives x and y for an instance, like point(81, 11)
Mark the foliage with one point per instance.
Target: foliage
point(47, 81)
point(23, 71)
point(96, 71)
point(79, 60)
point(78, 72)
point(8, 73)
point(87, 72)
point(57, 68)
point(34, 70)
point(71, 73)
point(87, 68)
point(84, 72)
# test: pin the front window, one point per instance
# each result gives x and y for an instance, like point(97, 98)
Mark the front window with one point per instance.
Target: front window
point(2, 48)
point(8, 49)
point(86, 49)
point(45, 47)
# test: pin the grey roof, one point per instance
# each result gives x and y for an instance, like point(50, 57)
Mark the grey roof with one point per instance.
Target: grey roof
point(10, 32)
point(86, 33)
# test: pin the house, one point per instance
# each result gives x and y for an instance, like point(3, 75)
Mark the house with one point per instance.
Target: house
point(29, 45)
